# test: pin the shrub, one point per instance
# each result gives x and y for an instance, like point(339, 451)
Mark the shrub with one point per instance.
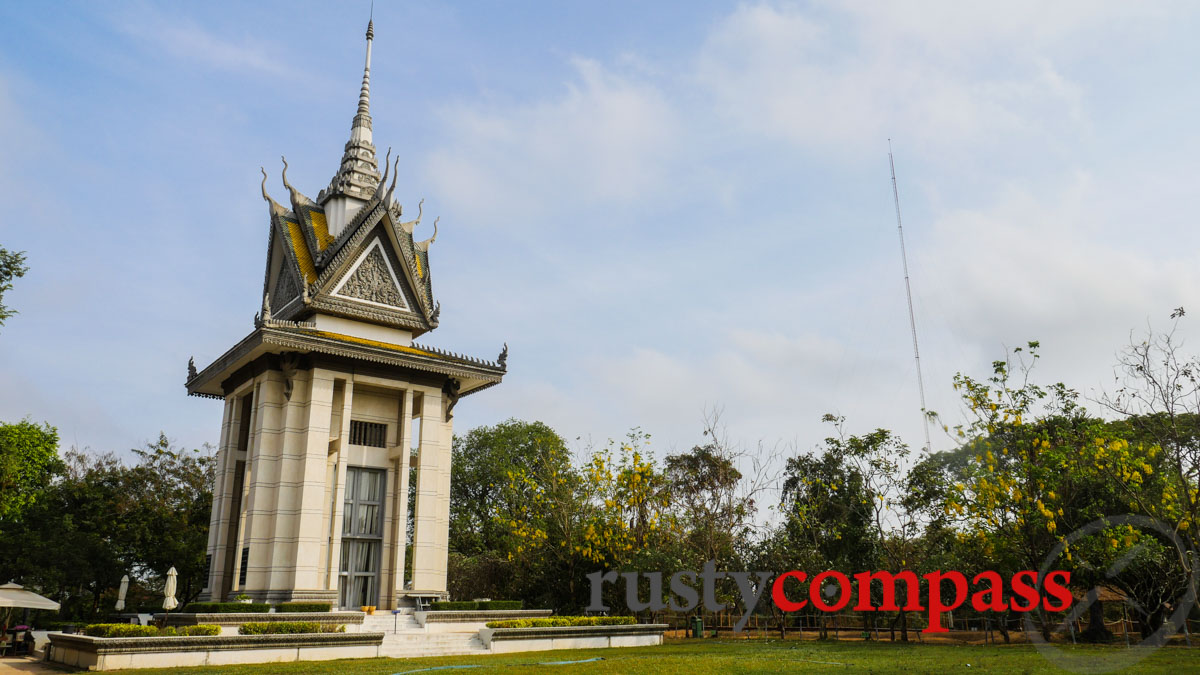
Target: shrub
point(227, 607)
point(287, 627)
point(304, 607)
point(119, 630)
point(198, 629)
point(472, 605)
point(559, 621)
point(122, 630)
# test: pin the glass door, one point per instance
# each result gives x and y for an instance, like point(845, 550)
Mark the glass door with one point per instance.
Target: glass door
point(362, 538)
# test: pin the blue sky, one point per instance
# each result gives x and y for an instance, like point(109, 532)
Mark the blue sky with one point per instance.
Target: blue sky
point(660, 207)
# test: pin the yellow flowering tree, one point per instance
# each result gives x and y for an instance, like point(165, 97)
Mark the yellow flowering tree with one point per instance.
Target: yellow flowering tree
point(1157, 398)
point(606, 514)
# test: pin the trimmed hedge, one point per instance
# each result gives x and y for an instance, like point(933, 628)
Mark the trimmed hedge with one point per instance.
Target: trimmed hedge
point(287, 627)
point(119, 630)
point(227, 608)
point(472, 605)
point(558, 621)
point(122, 630)
point(304, 607)
point(198, 629)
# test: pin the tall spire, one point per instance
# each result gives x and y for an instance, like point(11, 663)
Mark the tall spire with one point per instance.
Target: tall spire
point(364, 95)
point(358, 175)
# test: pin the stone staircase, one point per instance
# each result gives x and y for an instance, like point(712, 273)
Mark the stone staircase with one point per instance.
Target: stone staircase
point(404, 638)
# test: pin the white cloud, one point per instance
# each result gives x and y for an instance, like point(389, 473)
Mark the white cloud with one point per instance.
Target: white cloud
point(1054, 264)
point(844, 80)
point(607, 138)
point(184, 38)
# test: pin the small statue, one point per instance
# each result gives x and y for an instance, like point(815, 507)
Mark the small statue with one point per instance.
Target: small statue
point(450, 389)
point(191, 369)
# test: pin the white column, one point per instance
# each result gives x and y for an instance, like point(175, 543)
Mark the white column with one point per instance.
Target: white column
point(432, 515)
point(247, 525)
point(267, 450)
point(218, 523)
point(400, 534)
point(339, 496)
point(309, 492)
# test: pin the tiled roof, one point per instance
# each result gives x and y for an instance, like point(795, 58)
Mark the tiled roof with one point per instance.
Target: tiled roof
point(300, 247)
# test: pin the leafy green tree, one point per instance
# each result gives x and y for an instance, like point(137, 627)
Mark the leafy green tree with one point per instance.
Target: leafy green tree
point(28, 460)
point(703, 484)
point(513, 487)
point(71, 544)
point(828, 505)
point(1157, 396)
point(100, 519)
point(12, 266)
point(172, 489)
point(479, 478)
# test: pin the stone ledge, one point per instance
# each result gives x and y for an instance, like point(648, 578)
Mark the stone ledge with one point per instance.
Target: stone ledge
point(196, 643)
point(237, 619)
point(479, 615)
point(489, 635)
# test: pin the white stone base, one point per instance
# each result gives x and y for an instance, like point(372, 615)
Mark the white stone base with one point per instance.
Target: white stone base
point(119, 653)
point(595, 642)
point(508, 640)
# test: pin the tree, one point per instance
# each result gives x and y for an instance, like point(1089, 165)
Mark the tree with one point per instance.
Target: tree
point(172, 489)
point(12, 266)
point(28, 460)
point(828, 506)
point(479, 476)
point(513, 485)
point(100, 519)
point(1158, 395)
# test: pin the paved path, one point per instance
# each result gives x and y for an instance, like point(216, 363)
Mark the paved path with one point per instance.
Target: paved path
point(13, 665)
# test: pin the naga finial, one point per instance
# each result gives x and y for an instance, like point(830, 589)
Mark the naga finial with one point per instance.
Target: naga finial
point(395, 174)
point(386, 166)
point(286, 184)
point(266, 308)
point(503, 358)
point(412, 224)
point(275, 207)
point(424, 245)
point(298, 198)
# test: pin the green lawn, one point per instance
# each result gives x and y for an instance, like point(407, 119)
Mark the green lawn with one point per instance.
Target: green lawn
point(740, 656)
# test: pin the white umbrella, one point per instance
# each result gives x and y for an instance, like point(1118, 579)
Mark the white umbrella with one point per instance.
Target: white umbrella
point(169, 602)
point(12, 595)
point(123, 591)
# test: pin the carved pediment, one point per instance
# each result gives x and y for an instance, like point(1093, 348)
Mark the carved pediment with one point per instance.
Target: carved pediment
point(286, 289)
point(372, 280)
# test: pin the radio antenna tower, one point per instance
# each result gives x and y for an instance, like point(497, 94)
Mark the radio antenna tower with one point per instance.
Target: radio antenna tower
point(912, 319)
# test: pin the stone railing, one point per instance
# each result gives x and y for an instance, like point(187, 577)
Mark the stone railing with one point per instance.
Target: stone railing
point(229, 621)
point(499, 640)
point(479, 615)
point(93, 653)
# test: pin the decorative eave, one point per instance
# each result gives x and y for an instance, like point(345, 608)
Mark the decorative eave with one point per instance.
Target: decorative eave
point(273, 336)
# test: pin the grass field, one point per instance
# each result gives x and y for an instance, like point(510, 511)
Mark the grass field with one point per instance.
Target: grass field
point(740, 656)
